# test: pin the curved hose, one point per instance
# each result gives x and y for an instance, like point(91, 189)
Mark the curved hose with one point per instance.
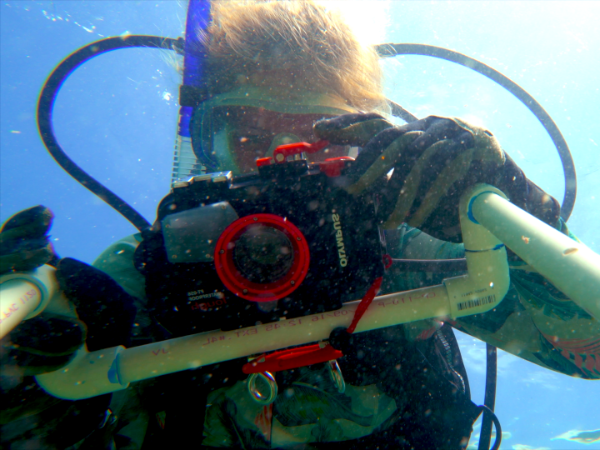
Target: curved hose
point(493, 418)
point(46, 105)
point(73, 61)
point(490, 401)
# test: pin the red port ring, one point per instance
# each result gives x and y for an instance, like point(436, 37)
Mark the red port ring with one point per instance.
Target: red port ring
point(259, 292)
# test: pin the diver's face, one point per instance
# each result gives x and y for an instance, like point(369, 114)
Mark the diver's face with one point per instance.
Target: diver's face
point(252, 133)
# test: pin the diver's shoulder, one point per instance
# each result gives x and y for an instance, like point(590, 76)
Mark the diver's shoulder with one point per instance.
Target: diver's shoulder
point(123, 249)
point(118, 262)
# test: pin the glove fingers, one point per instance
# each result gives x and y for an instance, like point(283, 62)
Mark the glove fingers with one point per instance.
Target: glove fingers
point(351, 129)
point(423, 160)
point(42, 344)
point(441, 129)
point(431, 197)
point(455, 167)
point(443, 158)
point(424, 178)
point(424, 170)
point(106, 309)
point(31, 223)
point(25, 260)
point(344, 121)
point(405, 184)
point(379, 163)
point(28, 364)
point(47, 335)
point(24, 242)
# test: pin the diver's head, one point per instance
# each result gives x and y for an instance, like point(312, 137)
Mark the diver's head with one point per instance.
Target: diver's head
point(273, 69)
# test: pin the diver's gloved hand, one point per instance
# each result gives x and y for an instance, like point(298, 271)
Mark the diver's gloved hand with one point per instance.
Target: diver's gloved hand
point(434, 160)
point(48, 342)
point(24, 243)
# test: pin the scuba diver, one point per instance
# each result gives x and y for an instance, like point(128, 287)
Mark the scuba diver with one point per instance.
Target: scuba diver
point(278, 73)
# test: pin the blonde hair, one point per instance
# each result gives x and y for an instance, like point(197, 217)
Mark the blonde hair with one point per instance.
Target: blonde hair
point(298, 45)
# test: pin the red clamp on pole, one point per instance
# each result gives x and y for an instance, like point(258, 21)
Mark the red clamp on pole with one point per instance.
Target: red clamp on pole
point(292, 359)
point(283, 151)
point(364, 304)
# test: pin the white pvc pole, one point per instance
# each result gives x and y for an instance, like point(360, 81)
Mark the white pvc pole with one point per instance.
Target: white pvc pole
point(571, 266)
point(24, 295)
point(203, 349)
point(18, 298)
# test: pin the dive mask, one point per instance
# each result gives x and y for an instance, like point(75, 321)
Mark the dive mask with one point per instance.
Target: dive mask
point(231, 131)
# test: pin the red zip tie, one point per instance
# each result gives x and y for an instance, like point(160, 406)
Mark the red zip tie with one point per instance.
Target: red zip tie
point(292, 359)
point(364, 304)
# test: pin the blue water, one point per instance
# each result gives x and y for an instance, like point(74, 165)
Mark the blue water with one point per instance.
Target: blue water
point(116, 117)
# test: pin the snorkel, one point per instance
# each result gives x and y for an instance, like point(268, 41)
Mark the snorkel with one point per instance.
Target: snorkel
point(192, 90)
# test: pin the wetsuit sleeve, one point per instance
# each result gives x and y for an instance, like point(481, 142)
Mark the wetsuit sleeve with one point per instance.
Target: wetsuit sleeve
point(535, 321)
point(117, 261)
point(129, 431)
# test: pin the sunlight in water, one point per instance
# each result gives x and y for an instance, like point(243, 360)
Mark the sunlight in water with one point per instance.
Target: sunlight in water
point(368, 19)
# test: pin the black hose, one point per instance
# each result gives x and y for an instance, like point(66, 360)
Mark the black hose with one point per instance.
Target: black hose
point(496, 422)
point(73, 61)
point(489, 401)
point(46, 105)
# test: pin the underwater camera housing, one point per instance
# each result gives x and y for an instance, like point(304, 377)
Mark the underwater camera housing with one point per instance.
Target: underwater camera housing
point(232, 251)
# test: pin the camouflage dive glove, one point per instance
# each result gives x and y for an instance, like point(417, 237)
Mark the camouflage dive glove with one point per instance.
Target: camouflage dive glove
point(24, 243)
point(48, 341)
point(434, 160)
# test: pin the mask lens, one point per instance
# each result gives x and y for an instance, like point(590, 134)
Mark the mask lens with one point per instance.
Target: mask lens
point(246, 134)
